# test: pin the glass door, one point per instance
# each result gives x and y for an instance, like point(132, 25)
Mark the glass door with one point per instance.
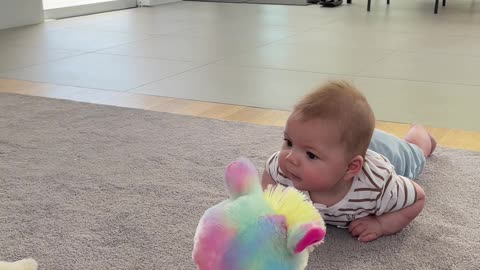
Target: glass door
point(57, 9)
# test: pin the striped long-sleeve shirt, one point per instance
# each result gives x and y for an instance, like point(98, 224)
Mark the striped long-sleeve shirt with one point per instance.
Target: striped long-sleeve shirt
point(376, 190)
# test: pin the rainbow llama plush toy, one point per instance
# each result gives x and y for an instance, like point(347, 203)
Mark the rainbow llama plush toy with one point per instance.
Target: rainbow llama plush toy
point(254, 230)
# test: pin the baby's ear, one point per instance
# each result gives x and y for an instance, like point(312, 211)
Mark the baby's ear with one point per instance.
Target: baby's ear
point(354, 167)
point(241, 178)
point(305, 235)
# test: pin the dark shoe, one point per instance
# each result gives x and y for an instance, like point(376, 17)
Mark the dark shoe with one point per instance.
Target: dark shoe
point(330, 3)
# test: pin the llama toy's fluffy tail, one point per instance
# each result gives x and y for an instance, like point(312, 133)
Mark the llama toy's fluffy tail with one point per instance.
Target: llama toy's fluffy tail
point(25, 264)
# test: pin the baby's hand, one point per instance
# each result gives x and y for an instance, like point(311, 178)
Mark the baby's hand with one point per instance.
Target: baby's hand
point(366, 229)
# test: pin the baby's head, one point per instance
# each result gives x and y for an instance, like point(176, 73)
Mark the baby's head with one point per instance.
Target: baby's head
point(326, 137)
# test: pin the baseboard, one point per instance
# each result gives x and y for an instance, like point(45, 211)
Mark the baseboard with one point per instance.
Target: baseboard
point(155, 2)
point(281, 2)
point(221, 1)
point(273, 2)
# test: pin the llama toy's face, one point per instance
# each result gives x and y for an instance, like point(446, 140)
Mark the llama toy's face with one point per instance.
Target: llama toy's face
point(254, 229)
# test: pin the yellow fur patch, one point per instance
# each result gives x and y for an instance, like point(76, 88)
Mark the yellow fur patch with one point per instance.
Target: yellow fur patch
point(289, 202)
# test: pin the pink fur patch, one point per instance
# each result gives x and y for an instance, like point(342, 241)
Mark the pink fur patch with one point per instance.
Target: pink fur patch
point(239, 177)
point(212, 241)
point(313, 235)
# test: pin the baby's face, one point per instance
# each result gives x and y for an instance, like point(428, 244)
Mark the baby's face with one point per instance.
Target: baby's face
point(312, 156)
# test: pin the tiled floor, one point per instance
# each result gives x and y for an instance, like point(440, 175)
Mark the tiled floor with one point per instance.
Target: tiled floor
point(412, 65)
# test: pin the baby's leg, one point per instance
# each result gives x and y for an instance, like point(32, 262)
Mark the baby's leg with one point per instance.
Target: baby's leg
point(407, 158)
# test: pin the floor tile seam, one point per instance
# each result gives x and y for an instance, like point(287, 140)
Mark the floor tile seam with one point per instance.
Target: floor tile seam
point(449, 34)
point(281, 69)
point(148, 57)
point(413, 80)
point(372, 64)
point(335, 74)
point(98, 51)
point(131, 90)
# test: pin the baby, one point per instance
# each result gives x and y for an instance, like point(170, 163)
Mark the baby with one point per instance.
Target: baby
point(357, 177)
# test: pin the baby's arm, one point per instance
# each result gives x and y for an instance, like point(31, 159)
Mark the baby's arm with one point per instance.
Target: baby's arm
point(395, 221)
point(267, 180)
point(372, 227)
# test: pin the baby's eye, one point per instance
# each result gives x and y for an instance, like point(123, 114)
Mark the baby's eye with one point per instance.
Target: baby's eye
point(311, 155)
point(288, 142)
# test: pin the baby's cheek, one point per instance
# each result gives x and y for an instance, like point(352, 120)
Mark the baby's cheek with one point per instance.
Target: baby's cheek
point(312, 176)
point(281, 160)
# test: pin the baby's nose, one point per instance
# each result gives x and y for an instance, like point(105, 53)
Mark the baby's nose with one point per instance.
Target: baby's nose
point(293, 157)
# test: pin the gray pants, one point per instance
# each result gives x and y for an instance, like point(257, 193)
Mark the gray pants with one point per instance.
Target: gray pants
point(407, 158)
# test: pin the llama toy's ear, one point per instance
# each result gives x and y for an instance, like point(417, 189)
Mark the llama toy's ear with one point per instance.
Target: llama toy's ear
point(241, 178)
point(305, 235)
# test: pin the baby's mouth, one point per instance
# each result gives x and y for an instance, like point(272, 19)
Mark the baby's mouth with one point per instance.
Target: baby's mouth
point(295, 178)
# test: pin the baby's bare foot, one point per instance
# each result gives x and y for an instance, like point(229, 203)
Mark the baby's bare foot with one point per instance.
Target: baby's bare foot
point(434, 144)
point(419, 136)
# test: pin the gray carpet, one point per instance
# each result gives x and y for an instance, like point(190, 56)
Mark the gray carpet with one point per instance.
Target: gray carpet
point(95, 187)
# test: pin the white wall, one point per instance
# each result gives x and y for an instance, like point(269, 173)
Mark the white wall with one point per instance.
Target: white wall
point(20, 12)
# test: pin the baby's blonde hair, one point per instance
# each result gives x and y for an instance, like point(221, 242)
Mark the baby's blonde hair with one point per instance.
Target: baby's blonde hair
point(341, 102)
